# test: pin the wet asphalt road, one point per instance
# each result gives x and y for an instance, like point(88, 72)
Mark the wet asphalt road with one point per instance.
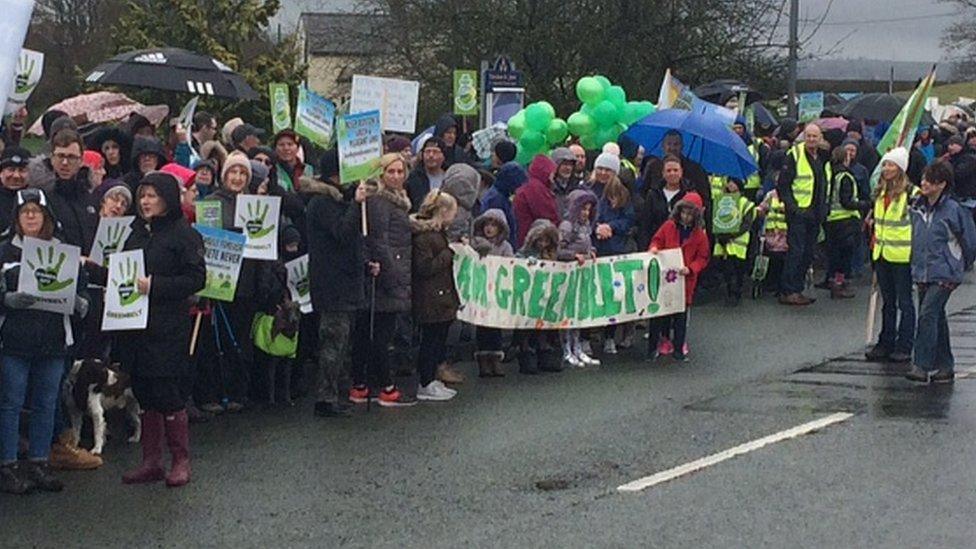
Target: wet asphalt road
point(525, 462)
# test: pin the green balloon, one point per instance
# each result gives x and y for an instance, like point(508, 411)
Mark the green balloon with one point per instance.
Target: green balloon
point(580, 123)
point(589, 90)
point(516, 125)
point(605, 114)
point(617, 96)
point(550, 110)
point(532, 141)
point(606, 135)
point(588, 142)
point(537, 117)
point(604, 82)
point(523, 156)
point(646, 108)
point(557, 132)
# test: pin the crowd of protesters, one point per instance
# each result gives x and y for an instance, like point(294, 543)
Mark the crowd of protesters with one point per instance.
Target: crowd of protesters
point(385, 304)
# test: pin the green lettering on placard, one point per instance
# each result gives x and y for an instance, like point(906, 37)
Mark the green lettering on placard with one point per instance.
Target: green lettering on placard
point(479, 280)
point(653, 284)
point(520, 282)
point(569, 303)
point(501, 294)
point(539, 280)
point(558, 279)
point(627, 268)
point(611, 307)
point(463, 278)
point(585, 295)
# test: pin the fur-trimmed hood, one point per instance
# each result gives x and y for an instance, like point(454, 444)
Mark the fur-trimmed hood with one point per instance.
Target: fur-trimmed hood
point(577, 200)
point(496, 216)
point(540, 228)
point(397, 198)
point(425, 224)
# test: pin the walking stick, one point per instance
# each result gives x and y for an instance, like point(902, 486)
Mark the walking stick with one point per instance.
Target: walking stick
point(372, 319)
point(872, 311)
point(196, 332)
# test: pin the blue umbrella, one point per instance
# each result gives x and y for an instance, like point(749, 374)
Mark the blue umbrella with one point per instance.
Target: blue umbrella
point(707, 140)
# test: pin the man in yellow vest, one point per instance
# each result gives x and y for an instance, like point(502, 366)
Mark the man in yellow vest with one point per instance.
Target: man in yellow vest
point(802, 188)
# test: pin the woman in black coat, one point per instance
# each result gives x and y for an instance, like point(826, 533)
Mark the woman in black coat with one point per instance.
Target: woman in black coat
point(158, 357)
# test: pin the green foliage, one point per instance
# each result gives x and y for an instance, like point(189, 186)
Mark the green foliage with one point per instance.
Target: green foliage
point(232, 31)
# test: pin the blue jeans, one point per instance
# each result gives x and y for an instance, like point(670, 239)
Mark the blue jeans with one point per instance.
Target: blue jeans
point(932, 349)
point(43, 376)
point(895, 282)
point(801, 238)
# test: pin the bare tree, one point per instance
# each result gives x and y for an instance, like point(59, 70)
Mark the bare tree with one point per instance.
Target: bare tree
point(959, 39)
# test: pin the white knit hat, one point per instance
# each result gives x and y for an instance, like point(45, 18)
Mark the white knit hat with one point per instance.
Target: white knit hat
point(609, 161)
point(612, 148)
point(897, 156)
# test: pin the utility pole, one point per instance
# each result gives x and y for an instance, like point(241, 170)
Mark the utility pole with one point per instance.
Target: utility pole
point(794, 52)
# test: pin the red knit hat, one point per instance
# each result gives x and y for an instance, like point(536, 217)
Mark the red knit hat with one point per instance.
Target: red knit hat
point(186, 176)
point(92, 159)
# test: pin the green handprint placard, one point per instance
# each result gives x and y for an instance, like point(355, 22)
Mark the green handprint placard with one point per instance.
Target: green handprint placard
point(49, 271)
point(30, 65)
point(259, 216)
point(110, 237)
point(298, 283)
point(125, 307)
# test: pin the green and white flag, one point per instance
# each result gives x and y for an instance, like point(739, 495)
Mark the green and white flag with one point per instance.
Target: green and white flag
point(905, 125)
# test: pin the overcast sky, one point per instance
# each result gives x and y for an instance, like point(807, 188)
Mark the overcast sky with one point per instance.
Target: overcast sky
point(894, 30)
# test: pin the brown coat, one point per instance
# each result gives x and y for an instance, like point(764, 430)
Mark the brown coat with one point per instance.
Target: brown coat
point(435, 298)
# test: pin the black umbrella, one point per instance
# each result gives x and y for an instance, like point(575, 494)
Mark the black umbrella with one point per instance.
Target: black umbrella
point(173, 69)
point(763, 116)
point(882, 107)
point(720, 91)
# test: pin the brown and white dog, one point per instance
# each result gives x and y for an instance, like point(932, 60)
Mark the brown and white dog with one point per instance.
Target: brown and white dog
point(93, 388)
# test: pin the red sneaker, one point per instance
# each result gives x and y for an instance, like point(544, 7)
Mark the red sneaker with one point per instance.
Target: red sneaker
point(393, 398)
point(359, 394)
point(665, 347)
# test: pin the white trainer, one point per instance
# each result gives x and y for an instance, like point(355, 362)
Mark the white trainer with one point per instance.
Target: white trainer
point(570, 358)
point(587, 360)
point(432, 392)
point(444, 388)
point(610, 347)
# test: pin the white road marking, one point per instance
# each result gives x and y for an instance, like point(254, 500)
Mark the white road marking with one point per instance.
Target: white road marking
point(708, 461)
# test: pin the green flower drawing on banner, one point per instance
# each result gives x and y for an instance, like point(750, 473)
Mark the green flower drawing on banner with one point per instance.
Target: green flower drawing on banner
point(126, 283)
point(25, 68)
point(256, 217)
point(112, 242)
point(46, 271)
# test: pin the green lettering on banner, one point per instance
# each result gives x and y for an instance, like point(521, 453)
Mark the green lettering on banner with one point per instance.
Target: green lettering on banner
point(501, 294)
point(558, 279)
point(520, 282)
point(585, 292)
point(479, 280)
point(569, 303)
point(464, 278)
point(653, 284)
point(611, 307)
point(627, 268)
point(539, 279)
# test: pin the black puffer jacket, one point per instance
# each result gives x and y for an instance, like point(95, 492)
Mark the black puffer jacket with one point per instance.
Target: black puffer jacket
point(72, 207)
point(29, 332)
point(336, 262)
point(389, 243)
point(175, 262)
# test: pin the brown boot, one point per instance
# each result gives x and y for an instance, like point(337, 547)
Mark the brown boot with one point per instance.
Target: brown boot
point(798, 300)
point(68, 457)
point(484, 366)
point(447, 374)
point(495, 359)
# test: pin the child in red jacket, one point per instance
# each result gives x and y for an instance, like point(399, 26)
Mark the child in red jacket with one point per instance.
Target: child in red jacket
point(684, 230)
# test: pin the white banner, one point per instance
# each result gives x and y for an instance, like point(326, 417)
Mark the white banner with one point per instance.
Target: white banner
point(111, 234)
point(13, 30)
point(259, 216)
point(395, 99)
point(125, 307)
point(298, 283)
point(49, 272)
point(504, 292)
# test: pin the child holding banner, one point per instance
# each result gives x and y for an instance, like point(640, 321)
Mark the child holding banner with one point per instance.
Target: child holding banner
point(537, 347)
point(576, 244)
point(685, 230)
point(491, 237)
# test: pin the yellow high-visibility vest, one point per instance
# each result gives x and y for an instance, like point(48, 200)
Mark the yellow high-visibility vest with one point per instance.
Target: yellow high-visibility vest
point(738, 246)
point(776, 216)
point(755, 180)
point(803, 182)
point(892, 230)
point(837, 211)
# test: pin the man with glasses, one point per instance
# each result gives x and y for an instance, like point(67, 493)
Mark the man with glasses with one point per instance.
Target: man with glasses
point(204, 128)
point(13, 177)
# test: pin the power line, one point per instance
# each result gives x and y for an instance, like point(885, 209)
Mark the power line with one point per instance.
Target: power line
point(889, 20)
